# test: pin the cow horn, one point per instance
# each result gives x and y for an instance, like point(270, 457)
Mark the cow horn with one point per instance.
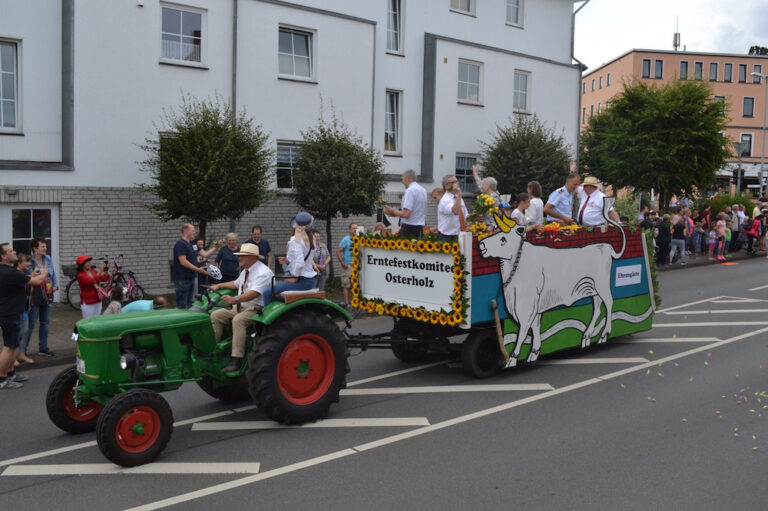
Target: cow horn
point(503, 223)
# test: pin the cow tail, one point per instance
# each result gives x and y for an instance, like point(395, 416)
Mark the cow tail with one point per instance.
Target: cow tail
point(607, 204)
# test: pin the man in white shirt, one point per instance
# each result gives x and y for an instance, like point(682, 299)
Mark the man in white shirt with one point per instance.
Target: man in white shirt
point(413, 210)
point(591, 204)
point(451, 211)
point(251, 285)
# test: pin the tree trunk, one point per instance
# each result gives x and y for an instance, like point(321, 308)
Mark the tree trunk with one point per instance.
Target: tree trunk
point(329, 241)
point(203, 225)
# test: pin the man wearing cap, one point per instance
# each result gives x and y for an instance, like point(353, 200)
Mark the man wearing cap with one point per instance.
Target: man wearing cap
point(560, 202)
point(591, 204)
point(251, 285)
point(413, 211)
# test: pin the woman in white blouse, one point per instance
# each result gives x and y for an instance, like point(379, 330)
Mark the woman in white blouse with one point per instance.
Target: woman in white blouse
point(534, 214)
point(298, 257)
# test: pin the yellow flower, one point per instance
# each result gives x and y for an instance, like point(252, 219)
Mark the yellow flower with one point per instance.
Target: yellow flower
point(456, 285)
point(420, 246)
point(405, 312)
point(458, 272)
point(456, 306)
point(395, 310)
point(456, 260)
point(369, 306)
point(355, 302)
point(457, 317)
point(446, 247)
point(400, 244)
point(379, 309)
point(355, 239)
point(434, 317)
point(355, 291)
point(443, 319)
point(355, 251)
point(418, 315)
point(455, 249)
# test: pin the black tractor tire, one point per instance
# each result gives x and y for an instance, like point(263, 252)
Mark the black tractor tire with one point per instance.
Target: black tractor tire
point(411, 351)
point(62, 410)
point(235, 393)
point(73, 294)
point(480, 354)
point(134, 427)
point(297, 369)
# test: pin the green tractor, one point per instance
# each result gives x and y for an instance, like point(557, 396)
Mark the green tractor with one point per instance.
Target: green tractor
point(296, 367)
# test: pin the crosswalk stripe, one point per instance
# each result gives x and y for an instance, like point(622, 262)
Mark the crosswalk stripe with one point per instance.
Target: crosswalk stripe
point(725, 311)
point(447, 389)
point(653, 340)
point(327, 423)
point(711, 323)
point(587, 361)
point(150, 468)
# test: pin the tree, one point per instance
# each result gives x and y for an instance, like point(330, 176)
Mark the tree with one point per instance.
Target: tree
point(336, 174)
point(525, 151)
point(665, 138)
point(206, 163)
point(758, 50)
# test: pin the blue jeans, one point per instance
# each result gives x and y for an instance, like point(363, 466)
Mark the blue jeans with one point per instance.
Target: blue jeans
point(44, 313)
point(185, 293)
point(303, 284)
point(322, 277)
point(11, 326)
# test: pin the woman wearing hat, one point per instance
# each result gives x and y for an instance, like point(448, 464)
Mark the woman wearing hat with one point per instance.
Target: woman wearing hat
point(298, 257)
point(88, 278)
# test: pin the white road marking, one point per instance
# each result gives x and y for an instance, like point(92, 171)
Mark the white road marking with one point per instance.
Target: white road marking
point(245, 408)
point(758, 288)
point(447, 389)
point(204, 492)
point(395, 373)
point(673, 340)
point(44, 454)
point(741, 300)
point(711, 323)
point(150, 468)
point(203, 418)
point(689, 304)
point(587, 361)
point(725, 311)
point(387, 422)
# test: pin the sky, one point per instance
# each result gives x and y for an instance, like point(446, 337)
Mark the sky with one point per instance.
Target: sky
point(606, 29)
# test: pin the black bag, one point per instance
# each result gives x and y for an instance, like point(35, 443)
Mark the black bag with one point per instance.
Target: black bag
point(39, 296)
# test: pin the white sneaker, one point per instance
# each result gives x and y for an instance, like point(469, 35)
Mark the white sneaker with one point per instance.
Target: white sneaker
point(9, 384)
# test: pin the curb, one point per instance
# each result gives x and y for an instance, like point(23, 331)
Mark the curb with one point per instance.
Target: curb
point(704, 261)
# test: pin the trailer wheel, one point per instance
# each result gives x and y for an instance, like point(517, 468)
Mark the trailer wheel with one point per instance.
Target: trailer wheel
point(134, 427)
point(296, 371)
point(237, 392)
point(480, 355)
point(411, 351)
point(61, 407)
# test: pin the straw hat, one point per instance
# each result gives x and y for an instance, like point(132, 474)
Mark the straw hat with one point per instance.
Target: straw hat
point(249, 249)
point(591, 181)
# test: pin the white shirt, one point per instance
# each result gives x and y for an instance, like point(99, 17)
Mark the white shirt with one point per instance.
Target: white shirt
point(298, 265)
point(448, 223)
point(415, 200)
point(259, 279)
point(518, 216)
point(593, 212)
point(535, 212)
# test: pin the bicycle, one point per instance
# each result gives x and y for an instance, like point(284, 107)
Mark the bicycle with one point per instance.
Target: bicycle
point(127, 279)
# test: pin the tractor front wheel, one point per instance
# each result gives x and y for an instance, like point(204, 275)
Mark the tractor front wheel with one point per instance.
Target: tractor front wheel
point(134, 427)
point(61, 407)
point(298, 368)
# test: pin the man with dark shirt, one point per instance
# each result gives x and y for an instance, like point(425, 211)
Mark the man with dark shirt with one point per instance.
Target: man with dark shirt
point(12, 298)
point(185, 268)
point(264, 249)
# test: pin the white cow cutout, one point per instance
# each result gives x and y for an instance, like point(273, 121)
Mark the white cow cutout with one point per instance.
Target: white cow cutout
point(537, 278)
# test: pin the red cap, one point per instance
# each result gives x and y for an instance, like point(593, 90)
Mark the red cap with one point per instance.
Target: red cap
point(82, 259)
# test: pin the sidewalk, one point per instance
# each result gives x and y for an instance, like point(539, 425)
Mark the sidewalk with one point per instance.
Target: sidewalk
point(703, 260)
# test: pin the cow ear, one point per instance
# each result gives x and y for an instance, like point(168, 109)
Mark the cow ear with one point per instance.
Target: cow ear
point(521, 230)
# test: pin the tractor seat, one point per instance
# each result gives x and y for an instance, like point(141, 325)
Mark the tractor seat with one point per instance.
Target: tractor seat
point(292, 296)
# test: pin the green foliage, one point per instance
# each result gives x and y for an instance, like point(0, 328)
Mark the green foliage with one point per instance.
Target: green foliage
point(665, 138)
point(758, 50)
point(525, 151)
point(207, 164)
point(337, 173)
point(721, 201)
point(648, 233)
point(628, 206)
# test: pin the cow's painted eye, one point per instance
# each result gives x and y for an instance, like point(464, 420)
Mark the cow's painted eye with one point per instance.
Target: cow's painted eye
point(503, 240)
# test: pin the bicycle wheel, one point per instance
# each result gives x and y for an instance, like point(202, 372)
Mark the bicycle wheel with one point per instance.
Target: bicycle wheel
point(73, 294)
point(137, 293)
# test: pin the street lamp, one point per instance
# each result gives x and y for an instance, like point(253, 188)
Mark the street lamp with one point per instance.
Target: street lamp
point(765, 116)
point(739, 147)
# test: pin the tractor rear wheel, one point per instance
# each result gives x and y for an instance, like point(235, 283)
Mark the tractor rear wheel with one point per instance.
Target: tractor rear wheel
point(60, 404)
point(296, 371)
point(480, 355)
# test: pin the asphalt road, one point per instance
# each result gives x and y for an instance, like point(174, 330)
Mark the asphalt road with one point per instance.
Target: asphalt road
point(674, 418)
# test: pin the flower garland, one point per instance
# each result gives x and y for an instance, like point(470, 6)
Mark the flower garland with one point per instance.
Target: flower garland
point(430, 244)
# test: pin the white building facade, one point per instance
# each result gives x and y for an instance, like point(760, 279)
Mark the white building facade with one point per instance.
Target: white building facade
point(83, 84)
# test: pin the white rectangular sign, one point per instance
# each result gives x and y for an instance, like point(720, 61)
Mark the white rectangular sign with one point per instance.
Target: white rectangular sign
point(628, 275)
point(408, 278)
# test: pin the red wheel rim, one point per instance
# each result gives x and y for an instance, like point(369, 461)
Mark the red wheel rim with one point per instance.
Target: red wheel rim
point(83, 413)
point(138, 429)
point(306, 368)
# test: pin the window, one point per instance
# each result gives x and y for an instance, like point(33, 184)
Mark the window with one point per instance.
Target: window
point(295, 53)
point(515, 12)
point(646, 68)
point(713, 71)
point(721, 100)
point(593, 84)
point(520, 91)
point(29, 224)
point(394, 23)
point(464, 164)
point(465, 6)
point(746, 139)
point(728, 73)
point(8, 85)
point(749, 107)
point(392, 122)
point(599, 108)
point(469, 81)
point(600, 85)
point(583, 115)
point(683, 69)
point(757, 69)
point(287, 156)
point(182, 34)
point(591, 111)
point(608, 80)
point(583, 87)
point(658, 69)
point(742, 73)
point(698, 70)
point(607, 103)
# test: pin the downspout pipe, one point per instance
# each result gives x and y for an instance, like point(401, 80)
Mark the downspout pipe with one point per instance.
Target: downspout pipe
point(232, 226)
point(582, 68)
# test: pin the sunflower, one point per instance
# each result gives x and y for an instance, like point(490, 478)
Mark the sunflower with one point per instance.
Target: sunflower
point(418, 315)
point(355, 239)
point(446, 247)
point(355, 291)
point(429, 246)
point(434, 317)
point(405, 312)
point(443, 319)
point(355, 263)
point(355, 251)
point(457, 317)
point(455, 249)
point(458, 272)
point(420, 246)
point(355, 302)
point(394, 310)
point(379, 309)
point(353, 280)
point(456, 306)
point(370, 306)
point(457, 286)
point(457, 260)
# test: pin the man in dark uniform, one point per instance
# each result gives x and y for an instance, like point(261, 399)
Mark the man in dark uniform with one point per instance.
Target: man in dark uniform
point(12, 298)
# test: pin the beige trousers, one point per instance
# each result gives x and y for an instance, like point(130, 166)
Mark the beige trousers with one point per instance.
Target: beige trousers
point(240, 323)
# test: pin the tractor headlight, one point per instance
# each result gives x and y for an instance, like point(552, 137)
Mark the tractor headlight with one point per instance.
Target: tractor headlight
point(128, 361)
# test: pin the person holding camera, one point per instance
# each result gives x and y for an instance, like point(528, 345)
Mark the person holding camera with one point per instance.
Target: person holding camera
point(451, 211)
point(42, 297)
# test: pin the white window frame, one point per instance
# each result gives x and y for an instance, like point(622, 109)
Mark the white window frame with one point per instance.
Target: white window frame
point(17, 88)
point(757, 68)
point(470, 11)
point(466, 181)
point(698, 70)
point(743, 67)
point(583, 115)
point(520, 6)
point(658, 74)
point(728, 72)
point(608, 80)
point(744, 105)
point(684, 76)
point(295, 146)
point(643, 74)
point(719, 99)
point(583, 87)
point(751, 143)
point(600, 83)
point(599, 108)
point(398, 38)
point(203, 36)
point(515, 92)
point(711, 66)
point(312, 39)
point(397, 124)
point(479, 65)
